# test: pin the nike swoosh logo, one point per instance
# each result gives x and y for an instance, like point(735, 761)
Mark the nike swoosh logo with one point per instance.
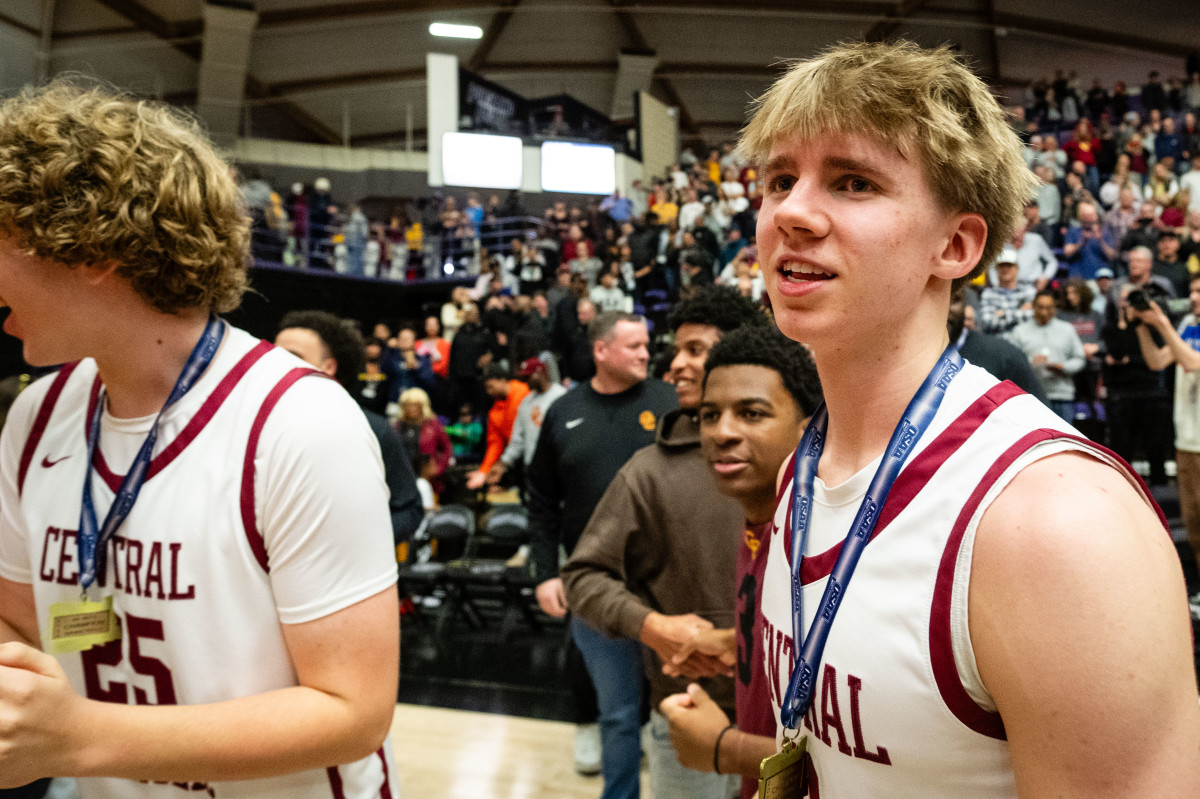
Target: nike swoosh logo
point(574, 423)
point(47, 463)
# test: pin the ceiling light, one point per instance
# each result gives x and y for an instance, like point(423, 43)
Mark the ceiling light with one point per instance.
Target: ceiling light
point(456, 31)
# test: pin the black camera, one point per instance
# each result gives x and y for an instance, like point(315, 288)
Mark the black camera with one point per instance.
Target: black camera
point(1140, 299)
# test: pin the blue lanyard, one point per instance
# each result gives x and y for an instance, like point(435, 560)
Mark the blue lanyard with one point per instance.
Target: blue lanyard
point(912, 426)
point(92, 539)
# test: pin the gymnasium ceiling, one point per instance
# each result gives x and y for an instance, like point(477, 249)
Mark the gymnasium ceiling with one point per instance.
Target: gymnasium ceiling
point(318, 68)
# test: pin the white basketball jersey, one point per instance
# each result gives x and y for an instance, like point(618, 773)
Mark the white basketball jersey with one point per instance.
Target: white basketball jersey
point(224, 543)
point(899, 709)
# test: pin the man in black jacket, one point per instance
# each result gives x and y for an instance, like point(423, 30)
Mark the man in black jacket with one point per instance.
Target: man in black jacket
point(469, 353)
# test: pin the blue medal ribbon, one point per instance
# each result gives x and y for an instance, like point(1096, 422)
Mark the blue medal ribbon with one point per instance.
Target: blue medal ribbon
point(92, 539)
point(916, 419)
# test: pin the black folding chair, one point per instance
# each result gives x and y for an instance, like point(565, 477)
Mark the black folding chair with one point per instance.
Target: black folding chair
point(484, 573)
point(444, 536)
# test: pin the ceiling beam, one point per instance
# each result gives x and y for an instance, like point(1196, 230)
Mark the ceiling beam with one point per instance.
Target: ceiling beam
point(886, 28)
point(96, 33)
point(883, 12)
point(1075, 32)
point(535, 67)
point(5, 19)
point(681, 69)
point(141, 16)
point(494, 30)
point(285, 88)
point(369, 8)
point(373, 8)
point(668, 69)
point(257, 90)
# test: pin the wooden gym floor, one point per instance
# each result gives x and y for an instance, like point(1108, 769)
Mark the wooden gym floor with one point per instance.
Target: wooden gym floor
point(461, 754)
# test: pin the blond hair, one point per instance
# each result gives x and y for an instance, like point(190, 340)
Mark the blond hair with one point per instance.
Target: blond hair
point(89, 176)
point(927, 104)
point(418, 396)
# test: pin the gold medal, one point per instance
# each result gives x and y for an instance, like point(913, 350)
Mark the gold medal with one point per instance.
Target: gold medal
point(784, 775)
point(78, 626)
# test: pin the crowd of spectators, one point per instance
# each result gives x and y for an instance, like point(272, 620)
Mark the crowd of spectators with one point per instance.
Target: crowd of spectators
point(1120, 188)
point(1117, 212)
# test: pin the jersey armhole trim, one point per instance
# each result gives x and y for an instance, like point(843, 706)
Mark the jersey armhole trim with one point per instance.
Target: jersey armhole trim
point(41, 420)
point(249, 519)
point(941, 650)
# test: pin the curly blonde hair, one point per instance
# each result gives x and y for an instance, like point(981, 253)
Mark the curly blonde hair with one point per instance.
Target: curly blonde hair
point(926, 103)
point(89, 176)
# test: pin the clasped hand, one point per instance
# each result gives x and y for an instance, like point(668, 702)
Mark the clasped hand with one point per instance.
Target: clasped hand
point(689, 646)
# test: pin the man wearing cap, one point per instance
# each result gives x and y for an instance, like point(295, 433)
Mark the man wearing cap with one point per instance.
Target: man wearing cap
point(506, 399)
point(523, 441)
point(1005, 305)
point(1036, 264)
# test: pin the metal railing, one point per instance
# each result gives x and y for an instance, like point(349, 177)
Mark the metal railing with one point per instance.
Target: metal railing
point(441, 254)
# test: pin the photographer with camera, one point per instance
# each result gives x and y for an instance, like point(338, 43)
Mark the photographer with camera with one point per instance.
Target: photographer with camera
point(1087, 246)
point(1137, 402)
point(1141, 276)
point(1182, 348)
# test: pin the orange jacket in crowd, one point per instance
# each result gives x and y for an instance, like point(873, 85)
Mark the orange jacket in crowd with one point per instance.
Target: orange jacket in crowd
point(500, 423)
point(436, 347)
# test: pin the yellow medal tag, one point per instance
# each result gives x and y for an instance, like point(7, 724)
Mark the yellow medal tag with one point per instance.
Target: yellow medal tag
point(784, 775)
point(78, 626)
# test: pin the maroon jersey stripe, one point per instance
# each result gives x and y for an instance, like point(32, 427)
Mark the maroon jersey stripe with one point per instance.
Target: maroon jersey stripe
point(192, 429)
point(385, 790)
point(249, 521)
point(41, 420)
point(335, 782)
point(941, 652)
point(915, 476)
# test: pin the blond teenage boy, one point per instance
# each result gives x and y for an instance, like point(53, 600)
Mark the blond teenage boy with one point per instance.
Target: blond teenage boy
point(1017, 622)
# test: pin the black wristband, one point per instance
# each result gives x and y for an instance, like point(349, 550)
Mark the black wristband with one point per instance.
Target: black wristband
point(717, 748)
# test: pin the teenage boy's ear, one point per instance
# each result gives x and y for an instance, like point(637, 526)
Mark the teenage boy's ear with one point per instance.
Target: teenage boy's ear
point(964, 243)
